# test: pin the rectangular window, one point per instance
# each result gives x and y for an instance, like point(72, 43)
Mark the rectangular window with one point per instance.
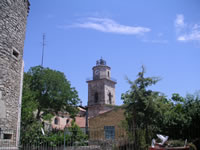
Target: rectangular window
point(15, 53)
point(7, 136)
point(109, 132)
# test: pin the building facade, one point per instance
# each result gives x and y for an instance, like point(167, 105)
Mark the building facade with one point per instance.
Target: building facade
point(62, 120)
point(108, 125)
point(13, 18)
point(101, 89)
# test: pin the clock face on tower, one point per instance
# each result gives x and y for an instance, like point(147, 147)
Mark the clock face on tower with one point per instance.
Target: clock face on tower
point(96, 72)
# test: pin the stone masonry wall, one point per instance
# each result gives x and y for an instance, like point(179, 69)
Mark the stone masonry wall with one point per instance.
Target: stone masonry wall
point(110, 118)
point(13, 18)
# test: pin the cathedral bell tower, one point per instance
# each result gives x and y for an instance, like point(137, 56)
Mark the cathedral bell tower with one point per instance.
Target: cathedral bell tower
point(101, 89)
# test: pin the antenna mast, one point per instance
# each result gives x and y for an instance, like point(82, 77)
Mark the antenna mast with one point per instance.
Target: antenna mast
point(43, 45)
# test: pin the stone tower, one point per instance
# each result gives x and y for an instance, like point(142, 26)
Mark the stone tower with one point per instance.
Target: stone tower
point(101, 89)
point(13, 18)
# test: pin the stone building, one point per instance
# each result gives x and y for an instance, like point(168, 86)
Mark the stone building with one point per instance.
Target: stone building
point(104, 117)
point(13, 18)
point(101, 89)
point(62, 119)
point(108, 125)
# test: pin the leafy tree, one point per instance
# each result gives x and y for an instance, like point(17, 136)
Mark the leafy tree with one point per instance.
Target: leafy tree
point(51, 91)
point(45, 93)
point(174, 118)
point(148, 112)
point(140, 108)
point(192, 109)
point(77, 137)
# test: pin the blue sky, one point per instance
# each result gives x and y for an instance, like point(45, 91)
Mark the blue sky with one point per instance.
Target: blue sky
point(164, 36)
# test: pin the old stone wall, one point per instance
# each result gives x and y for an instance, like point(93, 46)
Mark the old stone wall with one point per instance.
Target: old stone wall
point(109, 87)
point(95, 110)
point(96, 86)
point(103, 87)
point(113, 118)
point(13, 18)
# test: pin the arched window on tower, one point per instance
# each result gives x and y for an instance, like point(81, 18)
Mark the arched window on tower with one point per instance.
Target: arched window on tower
point(108, 74)
point(110, 98)
point(96, 97)
point(56, 121)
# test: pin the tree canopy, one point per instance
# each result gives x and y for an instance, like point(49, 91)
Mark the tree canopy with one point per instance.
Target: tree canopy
point(51, 91)
point(149, 112)
point(140, 109)
point(45, 93)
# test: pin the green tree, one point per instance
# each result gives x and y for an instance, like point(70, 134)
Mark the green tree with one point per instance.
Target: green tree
point(140, 109)
point(77, 136)
point(180, 118)
point(175, 118)
point(51, 90)
point(192, 110)
point(45, 93)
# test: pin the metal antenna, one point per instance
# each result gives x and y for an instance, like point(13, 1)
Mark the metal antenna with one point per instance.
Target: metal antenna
point(43, 45)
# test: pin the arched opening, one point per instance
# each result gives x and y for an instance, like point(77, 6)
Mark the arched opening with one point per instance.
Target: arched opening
point(56, 121)
point(96, 97)
point(110, 98)
point(67, 121)
point(108, 74)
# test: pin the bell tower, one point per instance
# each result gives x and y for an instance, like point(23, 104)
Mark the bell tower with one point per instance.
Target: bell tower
point(101, 89)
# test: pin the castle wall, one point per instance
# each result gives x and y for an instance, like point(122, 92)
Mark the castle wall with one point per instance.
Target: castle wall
point(13, 18)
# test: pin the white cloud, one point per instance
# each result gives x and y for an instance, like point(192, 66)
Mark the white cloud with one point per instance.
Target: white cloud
point(186, 32)
point(111, 26)
point(179, 22)
point(193, 36)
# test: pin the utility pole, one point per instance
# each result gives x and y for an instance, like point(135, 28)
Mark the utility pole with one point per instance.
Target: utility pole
point(43, 45)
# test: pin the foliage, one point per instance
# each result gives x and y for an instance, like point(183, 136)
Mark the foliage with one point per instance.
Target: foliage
point(149, 112)
point(31, 134)
point(51, 90)
point(73, 136)
point(140, 108)
point(45, 93)
point(77, 137)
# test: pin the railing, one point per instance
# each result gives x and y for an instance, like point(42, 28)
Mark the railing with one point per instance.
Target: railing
point(105, 138)
point(90, 139)
point(102, 77)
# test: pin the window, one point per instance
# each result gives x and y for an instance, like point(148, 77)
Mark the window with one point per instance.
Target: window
point(15, 53)
point(7, 136)
point(96, 97)
point(56, 121)
point(67, 121)
point(110, 98)
point(109, 132)
point(108, 74)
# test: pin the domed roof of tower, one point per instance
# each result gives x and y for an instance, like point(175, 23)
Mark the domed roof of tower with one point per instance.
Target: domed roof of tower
point(101, 62)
